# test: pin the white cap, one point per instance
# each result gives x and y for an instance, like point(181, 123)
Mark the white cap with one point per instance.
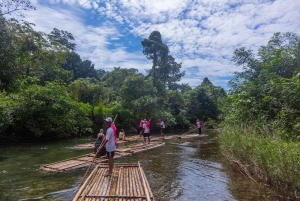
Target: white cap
point(108, 119)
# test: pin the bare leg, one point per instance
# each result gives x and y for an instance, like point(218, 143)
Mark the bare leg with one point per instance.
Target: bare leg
point(110, 165)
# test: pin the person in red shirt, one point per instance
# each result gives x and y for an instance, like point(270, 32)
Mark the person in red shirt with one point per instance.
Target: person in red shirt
point(141, 126)
point(146, 131)
point(199, 125)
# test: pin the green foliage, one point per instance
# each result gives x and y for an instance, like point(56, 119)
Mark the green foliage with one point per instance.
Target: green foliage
point(62, 38)
point(268, 89)
point(33, 54)
point(271, 156)
point(7, 109)
point(125, 117)
point(7, 56)
point(261, 114)
point(135, 87)
point(200, 106)
point(87, 91)
point(50, 113)
point(156, 51)
point(175, 100)
point(80, 69)
point(164, 67)
point(115, 79)
point(52, 93)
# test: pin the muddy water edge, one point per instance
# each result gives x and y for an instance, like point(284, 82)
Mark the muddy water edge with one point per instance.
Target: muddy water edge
point(183, 169)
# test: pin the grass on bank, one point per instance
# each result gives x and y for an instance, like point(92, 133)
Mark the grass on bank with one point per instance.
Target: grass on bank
point(271, 157)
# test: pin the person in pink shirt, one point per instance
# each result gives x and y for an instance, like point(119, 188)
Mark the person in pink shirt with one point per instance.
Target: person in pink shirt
point(141, 127)
point(199, 125)
point(146, 128)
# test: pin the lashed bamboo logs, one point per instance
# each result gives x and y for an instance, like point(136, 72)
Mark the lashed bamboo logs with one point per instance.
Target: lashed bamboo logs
point(128, 183)
point(86, 160)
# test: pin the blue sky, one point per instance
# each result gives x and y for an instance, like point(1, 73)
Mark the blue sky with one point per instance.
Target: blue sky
point(202, 34)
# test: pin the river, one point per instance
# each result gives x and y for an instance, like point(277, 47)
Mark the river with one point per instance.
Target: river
point(183, 169)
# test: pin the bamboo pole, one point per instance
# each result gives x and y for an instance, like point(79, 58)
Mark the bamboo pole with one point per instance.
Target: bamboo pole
point(121, 190)
point(101, 190)
point(147, 184)
point(144, 183)
point(135, 186)
point(99, 181)
point(81, 189)
point(189, 131)
point(115, 196)
point(131, 190)
point(118, 183)
point(95, 180)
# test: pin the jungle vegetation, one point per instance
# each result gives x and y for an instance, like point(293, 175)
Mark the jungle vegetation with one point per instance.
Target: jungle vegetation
point(47, 92)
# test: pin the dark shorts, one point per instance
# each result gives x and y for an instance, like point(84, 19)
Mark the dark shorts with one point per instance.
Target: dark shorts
point(162, 130)
point(146, 134)
point(110, 154)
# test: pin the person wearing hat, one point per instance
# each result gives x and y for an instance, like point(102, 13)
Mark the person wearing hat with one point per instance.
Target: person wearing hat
point(110, 145)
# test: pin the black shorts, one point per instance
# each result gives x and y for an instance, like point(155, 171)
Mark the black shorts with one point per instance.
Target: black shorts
point(162, 130)
point(110, 154)
point(146, 134)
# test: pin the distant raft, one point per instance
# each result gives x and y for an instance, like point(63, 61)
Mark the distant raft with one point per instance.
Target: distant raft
point(90, 145)
point(85, 160)
point(128, 182)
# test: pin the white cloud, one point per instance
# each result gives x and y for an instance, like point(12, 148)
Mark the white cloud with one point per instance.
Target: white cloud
point(199, 33)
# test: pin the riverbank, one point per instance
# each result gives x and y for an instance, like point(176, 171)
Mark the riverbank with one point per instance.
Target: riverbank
point(268, 158)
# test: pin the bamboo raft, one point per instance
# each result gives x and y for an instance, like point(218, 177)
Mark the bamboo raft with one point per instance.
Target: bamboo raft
point(128, 182)
point(90, 145)
point(86, 160)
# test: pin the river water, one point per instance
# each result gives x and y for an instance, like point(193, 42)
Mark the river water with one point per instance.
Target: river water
point(183, 169)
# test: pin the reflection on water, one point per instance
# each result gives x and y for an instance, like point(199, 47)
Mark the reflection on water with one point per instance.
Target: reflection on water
point(183, 169)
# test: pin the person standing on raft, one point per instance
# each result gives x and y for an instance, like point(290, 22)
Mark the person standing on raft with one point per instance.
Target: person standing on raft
point(199, 125)
point(162, 129)
point(146, 128)
point(141, 127)
point(110, 144)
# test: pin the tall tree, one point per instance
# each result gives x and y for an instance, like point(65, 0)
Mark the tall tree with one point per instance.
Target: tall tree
point(139, 95)
point(200, 105)
point(155, 50)
point(8, 55)
point(80, 69)
point(169, 73)
point(37, 54)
